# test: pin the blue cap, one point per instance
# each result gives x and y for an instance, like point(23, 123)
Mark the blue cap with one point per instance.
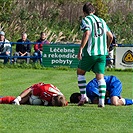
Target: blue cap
point(2, 33)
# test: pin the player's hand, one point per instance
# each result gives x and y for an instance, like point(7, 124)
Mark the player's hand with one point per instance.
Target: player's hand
point(83, 100)
point(16, 102)
point(108, 50)
point(45, 102)
point(79, 56)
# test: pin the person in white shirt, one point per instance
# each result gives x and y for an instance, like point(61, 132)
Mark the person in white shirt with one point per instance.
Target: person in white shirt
point(5, 47)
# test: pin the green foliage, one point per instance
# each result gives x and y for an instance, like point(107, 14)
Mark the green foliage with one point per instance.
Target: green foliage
point(122, 26)
point(70, 119)
point(6, 7)
point(33, 66)
point(101, 9)
point(60, 19)
point(119, 70)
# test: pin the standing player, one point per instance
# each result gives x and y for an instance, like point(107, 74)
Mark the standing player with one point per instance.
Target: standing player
point(48, 93)
point(113, 93)
point(92, 52)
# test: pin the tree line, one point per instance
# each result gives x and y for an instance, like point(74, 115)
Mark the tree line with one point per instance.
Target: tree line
point(60, 19)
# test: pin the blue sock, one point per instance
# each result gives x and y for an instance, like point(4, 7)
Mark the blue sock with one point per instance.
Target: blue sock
point(108, 101)
point(128, 101)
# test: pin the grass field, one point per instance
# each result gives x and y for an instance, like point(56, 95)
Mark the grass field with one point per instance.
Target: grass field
point(70, 119)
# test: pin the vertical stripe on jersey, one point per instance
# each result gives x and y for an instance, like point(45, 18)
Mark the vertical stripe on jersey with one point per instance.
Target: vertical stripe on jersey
point(93, 46)
point(96, 45)
point(90, 40)
point(100, 40)
point(104, 38)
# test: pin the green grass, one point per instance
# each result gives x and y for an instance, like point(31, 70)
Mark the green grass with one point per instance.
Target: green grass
point(70, 119)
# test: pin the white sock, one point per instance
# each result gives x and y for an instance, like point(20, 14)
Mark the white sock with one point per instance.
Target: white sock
point(123, 100)
point(19, 98)
point(82, 85)
point(102, 91)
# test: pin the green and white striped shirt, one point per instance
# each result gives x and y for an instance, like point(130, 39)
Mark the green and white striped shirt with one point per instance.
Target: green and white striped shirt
point(97, 42)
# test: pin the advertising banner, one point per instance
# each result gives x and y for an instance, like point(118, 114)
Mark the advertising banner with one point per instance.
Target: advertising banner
point(124, 57)
point(60, 55)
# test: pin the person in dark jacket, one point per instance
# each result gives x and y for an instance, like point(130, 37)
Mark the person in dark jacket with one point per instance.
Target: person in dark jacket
point(23, 47)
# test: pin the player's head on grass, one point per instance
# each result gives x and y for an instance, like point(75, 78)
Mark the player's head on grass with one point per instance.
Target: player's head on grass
point(59, 101)
point(75, 97)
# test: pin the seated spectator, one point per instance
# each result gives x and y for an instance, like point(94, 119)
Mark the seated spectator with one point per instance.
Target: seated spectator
point(23, 48)
point(5, 47)
point(39, 47)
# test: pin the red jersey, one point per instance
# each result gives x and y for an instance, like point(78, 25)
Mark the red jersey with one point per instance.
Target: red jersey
point(45, 91)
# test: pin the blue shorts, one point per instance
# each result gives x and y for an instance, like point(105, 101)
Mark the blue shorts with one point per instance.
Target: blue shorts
point(114, 86)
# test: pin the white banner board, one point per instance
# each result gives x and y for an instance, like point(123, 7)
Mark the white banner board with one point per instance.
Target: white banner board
point(124, 57)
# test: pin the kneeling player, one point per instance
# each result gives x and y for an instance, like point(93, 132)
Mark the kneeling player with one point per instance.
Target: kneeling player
point(48, 93)
point(113, 92)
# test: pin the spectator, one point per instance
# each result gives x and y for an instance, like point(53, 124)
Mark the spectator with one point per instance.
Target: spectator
point(5, 47)
point(23, 48)
point(110, 56)
point(39, 47)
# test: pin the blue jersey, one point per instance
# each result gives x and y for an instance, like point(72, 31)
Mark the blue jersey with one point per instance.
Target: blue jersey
point(113, 87)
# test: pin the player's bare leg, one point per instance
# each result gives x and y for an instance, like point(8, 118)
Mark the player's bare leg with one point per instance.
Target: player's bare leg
point(117, 101)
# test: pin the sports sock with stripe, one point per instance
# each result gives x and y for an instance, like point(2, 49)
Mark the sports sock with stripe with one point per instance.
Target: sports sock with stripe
point(102, 91)
point(82, 85)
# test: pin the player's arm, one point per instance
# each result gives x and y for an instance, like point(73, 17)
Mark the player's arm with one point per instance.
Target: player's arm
point(110, 38)
point(23, 97)
point(83, 43)
point(85, 27)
